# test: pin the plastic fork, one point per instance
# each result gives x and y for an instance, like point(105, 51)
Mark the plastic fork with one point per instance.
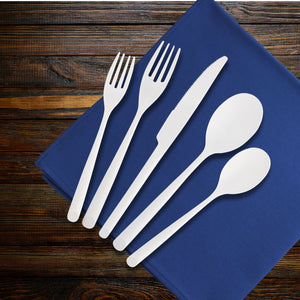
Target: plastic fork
point(150, 90)
point(114, 91)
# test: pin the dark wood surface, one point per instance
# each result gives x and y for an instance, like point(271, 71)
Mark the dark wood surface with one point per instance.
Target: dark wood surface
point(53, 61)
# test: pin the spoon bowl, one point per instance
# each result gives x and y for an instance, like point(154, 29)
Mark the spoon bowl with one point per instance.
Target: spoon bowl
point(244, 171)
point(233, 123)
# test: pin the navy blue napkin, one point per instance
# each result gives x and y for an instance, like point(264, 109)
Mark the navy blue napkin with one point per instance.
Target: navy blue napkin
point(230, 246)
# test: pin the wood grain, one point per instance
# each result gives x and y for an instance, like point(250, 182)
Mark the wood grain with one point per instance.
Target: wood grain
point(256, 12)
point(73, 83)
point(64, 261)
point(25, 40)
point(16, 167)
point(39, 215)
point(46, 107)
point(80, 72)
point(93, 13)
point(84, 261)
point(11, 92)
point(273, 288)
point(105, 288)
point(53, 61)
point(30, 135)
point(54, 71)
point(124, 289)
point(139, 12)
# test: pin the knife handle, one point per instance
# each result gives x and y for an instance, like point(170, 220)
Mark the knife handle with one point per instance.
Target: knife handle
point(133, 190)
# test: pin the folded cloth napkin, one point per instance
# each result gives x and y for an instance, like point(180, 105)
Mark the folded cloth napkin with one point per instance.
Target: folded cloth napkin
point(228, 248)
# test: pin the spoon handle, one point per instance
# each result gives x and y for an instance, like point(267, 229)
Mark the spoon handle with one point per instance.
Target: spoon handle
point(139, 223)
point(143, 252)
point(84, 181)
point(92, 214)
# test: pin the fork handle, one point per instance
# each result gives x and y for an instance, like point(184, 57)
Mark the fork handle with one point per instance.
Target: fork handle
point(92, 214)
point(84, 181)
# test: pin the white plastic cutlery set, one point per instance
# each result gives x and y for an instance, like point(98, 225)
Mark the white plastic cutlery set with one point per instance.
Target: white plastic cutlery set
point(233, 123)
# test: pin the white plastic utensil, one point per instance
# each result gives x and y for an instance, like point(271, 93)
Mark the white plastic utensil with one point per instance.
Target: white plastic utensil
point(173, 125)
point(242, 172)
point(113, 93)
point(150, 91)
point(233, 123)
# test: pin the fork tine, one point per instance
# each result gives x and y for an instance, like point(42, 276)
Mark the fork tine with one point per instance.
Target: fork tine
point(159, 62)
point(123, 73)
point(118, 70)
point(153, 59)
point(129, 74)
point(111, 69)
point(172, 66)
point(165, 65)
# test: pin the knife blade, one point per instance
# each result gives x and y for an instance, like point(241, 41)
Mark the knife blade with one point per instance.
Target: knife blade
point(170, 130)
point(186, 107)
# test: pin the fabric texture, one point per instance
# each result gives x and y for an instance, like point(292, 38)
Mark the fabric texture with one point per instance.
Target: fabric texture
point(233, 243)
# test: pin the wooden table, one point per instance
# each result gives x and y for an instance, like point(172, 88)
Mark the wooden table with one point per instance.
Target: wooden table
point(53, 61)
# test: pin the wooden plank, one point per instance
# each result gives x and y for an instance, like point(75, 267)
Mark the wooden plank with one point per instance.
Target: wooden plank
point(44, 91)
point(54, 71)
point(14, 103)
point(84, 261)
point(92, 12)
point(84, 288)
point(30, 135)
point(39, 229)
point(12, 13)
point(43, 220)
point(66, 261)
point(35, 215)
point(81, 72)
point(125, 289)
point(25, 40)
point(265, 12)
point(273, 288)
point(16, 167)
point(78, 40)
point(46, 107)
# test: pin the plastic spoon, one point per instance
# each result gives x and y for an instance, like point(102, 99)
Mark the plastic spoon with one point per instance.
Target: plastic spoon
point(241, 173)
point(233, 123)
